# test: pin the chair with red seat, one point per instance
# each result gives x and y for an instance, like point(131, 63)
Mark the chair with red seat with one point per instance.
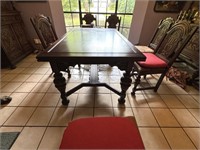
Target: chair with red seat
point(162, 59)
point(102, 133)
point(162, 28)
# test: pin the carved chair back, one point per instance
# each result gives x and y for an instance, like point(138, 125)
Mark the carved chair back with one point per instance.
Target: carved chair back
point(113, 21)
point(174, 41)
point(44, 29)
point(163, 27)
point(88, 18)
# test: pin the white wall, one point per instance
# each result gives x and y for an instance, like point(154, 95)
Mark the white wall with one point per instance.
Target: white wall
point(137, 20)
point(51, 8)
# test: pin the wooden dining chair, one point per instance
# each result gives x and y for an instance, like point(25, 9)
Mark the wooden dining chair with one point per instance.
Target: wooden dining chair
point(113, 21)
point(162, 28)
point(44, 29)
point(88, 21)
point(162, 59)
point(46, 32)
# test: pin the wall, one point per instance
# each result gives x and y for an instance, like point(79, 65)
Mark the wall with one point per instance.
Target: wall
point(145, 21)
point(48, 8)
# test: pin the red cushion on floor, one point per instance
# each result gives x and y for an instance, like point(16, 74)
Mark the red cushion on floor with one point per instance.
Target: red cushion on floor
point(102, 133)
point(152, 61)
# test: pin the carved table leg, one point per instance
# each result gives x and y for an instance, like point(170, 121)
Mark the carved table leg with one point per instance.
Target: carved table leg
point(125, 84)
point(60, 84)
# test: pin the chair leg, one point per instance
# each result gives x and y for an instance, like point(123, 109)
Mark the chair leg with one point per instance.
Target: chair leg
point(137, 81)
point(79, 66)
point(159, 81)
point(68, 71)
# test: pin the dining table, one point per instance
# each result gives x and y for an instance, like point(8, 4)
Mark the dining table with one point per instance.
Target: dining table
point(92, 46)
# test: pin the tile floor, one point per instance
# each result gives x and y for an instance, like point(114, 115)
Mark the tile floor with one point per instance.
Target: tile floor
point(168, 119)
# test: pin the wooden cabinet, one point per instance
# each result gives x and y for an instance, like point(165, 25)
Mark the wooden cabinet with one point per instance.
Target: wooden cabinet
point(14, 42)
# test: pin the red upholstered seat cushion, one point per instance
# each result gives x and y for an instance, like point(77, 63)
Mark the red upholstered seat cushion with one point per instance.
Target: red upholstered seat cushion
point(152, 61)
point(102, 133)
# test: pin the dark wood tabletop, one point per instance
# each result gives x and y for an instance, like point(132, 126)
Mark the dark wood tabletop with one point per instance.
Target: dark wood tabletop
point(98, 43)
point(91, 46)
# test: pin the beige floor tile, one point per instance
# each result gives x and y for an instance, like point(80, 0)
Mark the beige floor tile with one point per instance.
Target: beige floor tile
point(17, 98)
point(123, 112)
point(144, 117)
point(41, 71)
point(176, 89)
point(16, 70)
point(50, 99)
point(20, 116)
point(85, 100)
point(185, 118)
point(24, 64)
point(41, 87)
point(99, 112)
point(165, 118)
point(29, 138)
point(8, 77)
point(5, 113)
point(25, 87)
point(52, 138)
point(177, 138)
point(153, 138)
point(41, 117)
point(4, 94)
point(155, 101)
point(20, 77)
point(194, 135)
point(11, 87)
point(196, 97)
point(195, 113)
point(83, 113)
point(116, 86)
point(103, 100)
point(29, 70)
point(72, 101)
point(102, 90)
point(32, 99)
point(11, 129)
point(45, 65)
point(2, 84)
point(138, 100)
point(69, 86)
point(116, 103)
point(52, 89)
point(47, 78)
point(188, 101)
point(163, 89)
point(172, 101)
point(61, 116)
point(37, 64)
point(34, 78)
point(87, 90)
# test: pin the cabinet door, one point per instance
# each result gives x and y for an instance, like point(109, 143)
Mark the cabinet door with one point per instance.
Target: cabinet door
point(20, 34)
point(10, 44)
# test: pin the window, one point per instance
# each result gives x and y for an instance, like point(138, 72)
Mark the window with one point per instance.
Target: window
point(101, 9)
